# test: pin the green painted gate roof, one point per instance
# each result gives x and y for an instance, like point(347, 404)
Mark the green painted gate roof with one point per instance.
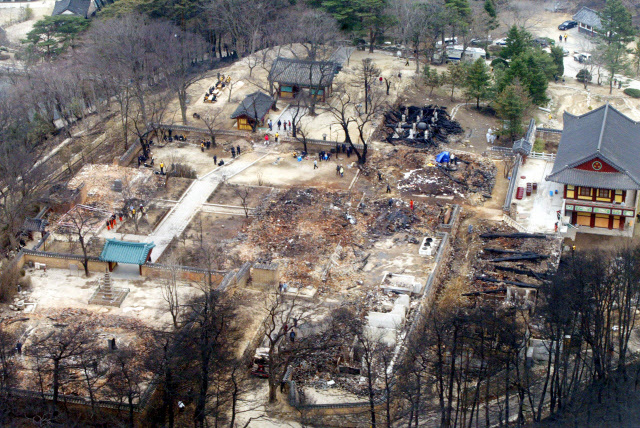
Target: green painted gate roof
point(135, 253)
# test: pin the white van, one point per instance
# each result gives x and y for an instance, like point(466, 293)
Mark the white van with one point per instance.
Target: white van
point(448, 42)
point(455, 53)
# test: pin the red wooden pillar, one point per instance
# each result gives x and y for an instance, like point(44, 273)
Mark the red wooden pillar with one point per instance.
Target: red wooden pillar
point(593, 220)
point(610, 222)
point(621, 223)
point(574, 218)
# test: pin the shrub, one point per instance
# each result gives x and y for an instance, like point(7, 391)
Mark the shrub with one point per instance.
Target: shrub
point(538, 146)
point(583, 75)
point(183, 171)
point(634, 93)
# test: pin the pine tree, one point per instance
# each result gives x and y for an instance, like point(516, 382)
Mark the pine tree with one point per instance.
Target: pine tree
point(456, 74)
point(615, 33)
point(518, 40)
point(558, 59)
point(477, 81)
point(430, 77)
point(511, 105)
point(490, 8)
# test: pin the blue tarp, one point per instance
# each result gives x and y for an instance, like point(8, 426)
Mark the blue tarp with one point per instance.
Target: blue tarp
point(443, 157)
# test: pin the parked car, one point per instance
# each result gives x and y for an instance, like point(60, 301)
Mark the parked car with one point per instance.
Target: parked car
point(567, 25)
point(543, 43)
point(448, 42)
point(501, 42)
point(565, 51)
point(481, 42)
point(582, 57)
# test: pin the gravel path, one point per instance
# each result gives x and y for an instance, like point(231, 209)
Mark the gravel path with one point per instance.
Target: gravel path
point(193, 199)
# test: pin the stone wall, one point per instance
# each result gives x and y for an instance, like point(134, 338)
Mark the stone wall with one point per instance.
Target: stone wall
point(454, 222)
point(62, 261)
point(183, 273)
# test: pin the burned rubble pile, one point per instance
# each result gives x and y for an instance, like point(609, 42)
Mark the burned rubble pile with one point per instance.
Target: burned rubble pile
point(396, 216)
point(513, 260)
point(461, 177)
point(301, 223)
point(420, 127)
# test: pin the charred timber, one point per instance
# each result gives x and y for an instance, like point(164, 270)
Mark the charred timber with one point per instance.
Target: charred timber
point(479, 293)
point(513, 235)
point(541, 276)
point(505, 281)
point(532, 257)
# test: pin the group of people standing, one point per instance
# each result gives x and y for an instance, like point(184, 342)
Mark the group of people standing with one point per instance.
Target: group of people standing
point(127, 212)
point(280, 124)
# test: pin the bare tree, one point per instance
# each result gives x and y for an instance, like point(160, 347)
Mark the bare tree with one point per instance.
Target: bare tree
point(316, 30)
point(184, 64)
point(210, 120)
point(243, 194)
point(170, 294)
point(81, 223)
point(8, 370)
point(58, 349)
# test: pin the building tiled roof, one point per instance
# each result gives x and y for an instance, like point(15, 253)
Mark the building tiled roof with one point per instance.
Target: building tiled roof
point(603, 133)
point(34, 225)
point(287, 71)
point(77, 7)
point(341, 55)
point(588, 17)
point(254, 106)
point(135, 253)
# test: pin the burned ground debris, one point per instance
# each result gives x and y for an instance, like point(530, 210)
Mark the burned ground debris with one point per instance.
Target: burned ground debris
point(420, 127)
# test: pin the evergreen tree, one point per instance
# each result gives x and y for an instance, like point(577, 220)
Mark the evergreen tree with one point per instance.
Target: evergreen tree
point(518, 41)
point(477, 81)
point(558, 59)
point(461, 10)
point(456, 74)
point(53, 34)
point(430, 77)
point(365, 17)
point(615, 33)
point(490, 8)
point(511, 105)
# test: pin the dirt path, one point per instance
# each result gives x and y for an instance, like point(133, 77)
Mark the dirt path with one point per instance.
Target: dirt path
point(192, 201)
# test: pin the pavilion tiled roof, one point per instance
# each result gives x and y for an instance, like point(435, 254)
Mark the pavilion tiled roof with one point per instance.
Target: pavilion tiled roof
point(135, 253)
point(304, 73)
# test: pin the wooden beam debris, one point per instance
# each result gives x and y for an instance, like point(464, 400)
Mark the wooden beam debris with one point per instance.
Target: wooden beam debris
point(478, 293)
point(505, 281)
point(523, 256)
point(518, 235)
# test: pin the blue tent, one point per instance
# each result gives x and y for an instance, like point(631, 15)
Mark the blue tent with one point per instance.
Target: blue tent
point(443, 157)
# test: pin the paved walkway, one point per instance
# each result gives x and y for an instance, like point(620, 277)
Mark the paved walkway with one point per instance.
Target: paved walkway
point(193, 199)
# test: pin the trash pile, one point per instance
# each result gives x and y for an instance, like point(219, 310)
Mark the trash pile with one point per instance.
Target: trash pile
point(420, 127)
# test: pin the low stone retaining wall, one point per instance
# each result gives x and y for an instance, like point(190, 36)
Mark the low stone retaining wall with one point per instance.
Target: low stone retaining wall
point(63, 261)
